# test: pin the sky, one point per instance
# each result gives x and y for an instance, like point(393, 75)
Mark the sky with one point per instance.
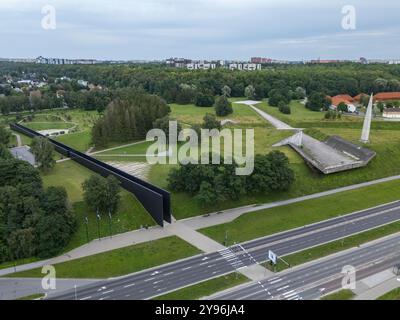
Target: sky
point(201, 29)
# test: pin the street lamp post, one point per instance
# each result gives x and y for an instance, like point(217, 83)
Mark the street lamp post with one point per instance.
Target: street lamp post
point(98, 224)
point(87, 230)
point(110, 222)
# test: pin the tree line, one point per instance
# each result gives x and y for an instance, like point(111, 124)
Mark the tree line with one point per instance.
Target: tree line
point(129, 117)
point(211, 184)
point(34, 221)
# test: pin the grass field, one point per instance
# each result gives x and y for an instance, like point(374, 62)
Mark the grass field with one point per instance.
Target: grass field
point(130, 215)
point(121, 261)
point(300, 114)
point(206, 288)
point(340, 295)
point(265, 222)
point(38, 126)
point(190, 114)
point(80, 141)
point(392, 295)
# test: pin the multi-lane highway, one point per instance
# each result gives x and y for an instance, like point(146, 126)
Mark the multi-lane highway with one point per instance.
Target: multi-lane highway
point(166, 278)
point(309, 282)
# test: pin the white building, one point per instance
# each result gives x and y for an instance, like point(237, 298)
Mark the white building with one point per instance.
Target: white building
point(83, 83)
point(391, 113)
point(245, 66)
point(201, 66)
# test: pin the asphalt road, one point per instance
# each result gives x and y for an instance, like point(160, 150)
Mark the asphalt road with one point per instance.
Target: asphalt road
point(310, 281)
point(163, 279)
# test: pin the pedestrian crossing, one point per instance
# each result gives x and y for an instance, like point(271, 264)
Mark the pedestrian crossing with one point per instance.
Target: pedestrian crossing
point(230, 255)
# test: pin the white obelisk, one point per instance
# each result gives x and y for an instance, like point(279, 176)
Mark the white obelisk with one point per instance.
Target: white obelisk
point(367, 121)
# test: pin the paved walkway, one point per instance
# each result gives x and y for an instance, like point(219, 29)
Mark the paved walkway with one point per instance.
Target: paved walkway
point(115, 148)
point(96, 246)
point(19, 140)
point(278, 124)
point(376, 286)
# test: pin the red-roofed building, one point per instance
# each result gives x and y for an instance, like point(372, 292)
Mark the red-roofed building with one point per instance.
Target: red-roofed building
point(345, 98)
point(387, 96)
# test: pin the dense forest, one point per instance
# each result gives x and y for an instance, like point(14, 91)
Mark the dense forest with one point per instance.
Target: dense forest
point(184, 86)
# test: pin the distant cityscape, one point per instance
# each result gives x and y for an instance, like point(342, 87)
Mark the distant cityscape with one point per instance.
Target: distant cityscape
point(253, 64)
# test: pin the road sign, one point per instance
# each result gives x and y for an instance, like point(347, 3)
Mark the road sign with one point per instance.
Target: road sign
point(272, 257)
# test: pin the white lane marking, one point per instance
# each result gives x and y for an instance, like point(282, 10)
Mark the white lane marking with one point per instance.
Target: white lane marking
point(86, 298)
point(275, 281)
point(104, 298)
point(129, 285)
point(283, 288)
point(149, 279)
point(187, 268)
point(169, 273)
point(288, 293)
point(109, 291)
point(155, 282)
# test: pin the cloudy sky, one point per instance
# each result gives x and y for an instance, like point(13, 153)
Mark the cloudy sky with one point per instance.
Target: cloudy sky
point(230, 29)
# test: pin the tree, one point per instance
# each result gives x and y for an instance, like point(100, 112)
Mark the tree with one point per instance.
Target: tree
point(271, 173)
point(22, 243)
point(210, 122)
point(300, 93)
point(223, 106)
point(43, 150)
point(5, 136)
point(163, 124)
point(284, 108)
point(102, 194)
point(380, 106)
point(226, 91)
point(318, 101)
point(186, 93)
point(4, 152)
point(206, 195)
point(342, 107)
point(128, 117)
point(250, 92)
point(57, 225)
point(204, 100)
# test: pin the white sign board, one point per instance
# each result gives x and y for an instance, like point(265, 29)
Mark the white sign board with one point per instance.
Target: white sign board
point(272, 256)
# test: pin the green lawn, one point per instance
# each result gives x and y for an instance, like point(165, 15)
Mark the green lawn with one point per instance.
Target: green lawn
point(300, 114)
point(139, 148)
point(130, 216)
point(38, 126)
point(80, 141)
point(340, 295)
point(121, 261)
point(392, 295)
point(266, 222)
point(206, 288)
point(190, 114)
